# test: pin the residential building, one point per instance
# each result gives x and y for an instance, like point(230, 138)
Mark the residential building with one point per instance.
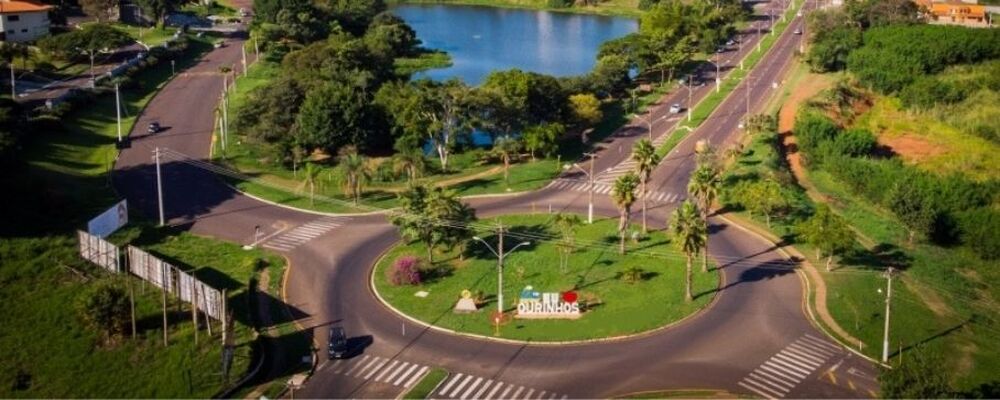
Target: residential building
point(22, 21)
point(952, 12)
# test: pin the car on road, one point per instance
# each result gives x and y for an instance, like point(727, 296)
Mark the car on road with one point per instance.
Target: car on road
point(153, 128)
point(798, 32)
point(337, 347)
point(798, 14)
point(675, 108)
point(730, 42)
point(720, 50)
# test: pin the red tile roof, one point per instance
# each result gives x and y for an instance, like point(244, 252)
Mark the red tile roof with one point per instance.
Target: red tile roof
point(18, 6)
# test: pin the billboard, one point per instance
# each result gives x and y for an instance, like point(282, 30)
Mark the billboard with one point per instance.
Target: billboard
point(185, 286)
point(109, 221)
point(98, 251)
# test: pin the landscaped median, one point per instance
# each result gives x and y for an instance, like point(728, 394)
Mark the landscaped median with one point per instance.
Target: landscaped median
point(732, 80)
point(617, 294)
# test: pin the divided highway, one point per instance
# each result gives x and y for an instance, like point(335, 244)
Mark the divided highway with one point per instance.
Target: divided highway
point(756, 338)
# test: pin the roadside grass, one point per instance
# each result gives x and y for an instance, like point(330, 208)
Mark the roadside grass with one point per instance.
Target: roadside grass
point(930, 144)
point(426, 385)
point(43, 278)
point(47, 350)
point(427, 60)
point(595, 270)
point(620, 8)
point(943, 299)
point(151, 36)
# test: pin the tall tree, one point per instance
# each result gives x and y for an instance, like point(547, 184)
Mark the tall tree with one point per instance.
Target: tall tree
point(100, 9)
point(585, 109)
point(690, 235)
point(623, 194)
point(646, 159)
point(828, 232)
point(704, 187)
point(543, 138)
point(433, 216)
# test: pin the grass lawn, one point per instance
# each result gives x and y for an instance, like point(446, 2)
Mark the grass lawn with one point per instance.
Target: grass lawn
point(426, 385)
point(47, 352)
point(57, 356)
point(424, 61)
point(595, 271)
point(151, 36)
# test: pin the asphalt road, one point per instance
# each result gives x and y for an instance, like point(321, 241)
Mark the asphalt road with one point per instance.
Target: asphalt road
point(755, 339)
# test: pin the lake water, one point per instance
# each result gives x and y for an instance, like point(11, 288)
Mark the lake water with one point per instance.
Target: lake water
point(484, 39)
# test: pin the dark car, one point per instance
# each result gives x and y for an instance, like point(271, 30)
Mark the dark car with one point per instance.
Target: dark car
point(337, 347)
point(154, 127)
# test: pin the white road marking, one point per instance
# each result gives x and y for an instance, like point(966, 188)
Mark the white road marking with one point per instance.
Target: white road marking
point(356, 365)
point(378, 378)
point(460, 386)
point(403, 376)
point(417, 375)
point(450, 383)
point(472, 387)
point(395, 372)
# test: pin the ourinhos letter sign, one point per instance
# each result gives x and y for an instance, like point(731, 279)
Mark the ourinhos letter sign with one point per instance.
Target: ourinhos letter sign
point(533, 304)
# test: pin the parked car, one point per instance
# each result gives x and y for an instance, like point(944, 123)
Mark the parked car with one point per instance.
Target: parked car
point(337, 347)
point(153, 128)
point(675, 108)
point(730, 42)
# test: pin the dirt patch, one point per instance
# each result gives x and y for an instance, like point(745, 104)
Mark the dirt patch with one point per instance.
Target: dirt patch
point(929, 297)
point(911, 148)
point(805, 89)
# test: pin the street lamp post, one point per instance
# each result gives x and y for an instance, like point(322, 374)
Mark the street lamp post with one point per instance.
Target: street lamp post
point(718, 77)
point(888, 303)
point(690, 92)
point(649, 123)
point(590, 178)
point(500, 256)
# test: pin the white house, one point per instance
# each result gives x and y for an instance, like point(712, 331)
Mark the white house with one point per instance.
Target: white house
point(22, 21)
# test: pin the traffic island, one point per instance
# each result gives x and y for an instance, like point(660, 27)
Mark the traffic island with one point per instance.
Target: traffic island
point(555, 289)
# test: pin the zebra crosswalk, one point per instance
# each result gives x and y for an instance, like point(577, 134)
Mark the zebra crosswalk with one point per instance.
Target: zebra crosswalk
point(379, 369)
point(605, 188)
point(464, 386)
point(301, 234)
point(781, 373)
point(611, 174)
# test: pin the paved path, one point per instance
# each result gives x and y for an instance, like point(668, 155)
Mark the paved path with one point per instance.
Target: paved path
point(758, 315)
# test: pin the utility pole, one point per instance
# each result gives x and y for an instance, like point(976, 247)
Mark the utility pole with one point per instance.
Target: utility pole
point(243, 47)
point(888, 308)
point(118, 111)
point(690, 90)
point(159, 184)
point(500, 256)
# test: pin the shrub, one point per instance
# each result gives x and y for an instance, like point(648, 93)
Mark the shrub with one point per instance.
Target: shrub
point(559, 3)
point(105, 307)
point(927, 92)
point(980, 230)
point(404, 271)
point(854, 143)
point(811, 130)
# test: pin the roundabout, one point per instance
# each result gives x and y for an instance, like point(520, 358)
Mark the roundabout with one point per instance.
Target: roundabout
point(617, 295)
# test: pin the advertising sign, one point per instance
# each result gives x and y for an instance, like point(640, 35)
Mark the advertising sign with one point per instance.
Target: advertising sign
point(98, 251)
point(533, 304)
point(109, 221)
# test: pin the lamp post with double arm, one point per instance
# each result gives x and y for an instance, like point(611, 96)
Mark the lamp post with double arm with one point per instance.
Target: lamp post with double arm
point(500, 256)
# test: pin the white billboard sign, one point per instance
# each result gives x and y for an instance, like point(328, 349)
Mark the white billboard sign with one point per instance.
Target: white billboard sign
point(110, 220)
point(98, 251)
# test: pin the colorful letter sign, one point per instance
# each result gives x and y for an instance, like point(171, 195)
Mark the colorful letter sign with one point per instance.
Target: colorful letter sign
point(533, 304)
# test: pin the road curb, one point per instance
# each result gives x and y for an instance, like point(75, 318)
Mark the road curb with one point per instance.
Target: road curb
point(608, 340)
point(807, 284)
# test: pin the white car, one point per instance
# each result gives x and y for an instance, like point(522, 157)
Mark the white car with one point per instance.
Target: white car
point(675, 108)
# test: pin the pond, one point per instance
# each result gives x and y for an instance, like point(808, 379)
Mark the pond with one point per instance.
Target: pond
point(484, 39)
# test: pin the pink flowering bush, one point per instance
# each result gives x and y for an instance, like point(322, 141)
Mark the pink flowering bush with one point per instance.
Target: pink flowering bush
point(404, 271)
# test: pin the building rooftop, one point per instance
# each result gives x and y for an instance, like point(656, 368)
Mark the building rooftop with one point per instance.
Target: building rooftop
point(17, 6)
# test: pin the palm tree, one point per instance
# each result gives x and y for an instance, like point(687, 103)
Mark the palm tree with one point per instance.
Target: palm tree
point(411, 162)
point(567, 224)
point(704, 187)
point(646, 159)
point(310, 178)
point(623, 194)
point(356, 173)
point(506, 148)
point(690, 236)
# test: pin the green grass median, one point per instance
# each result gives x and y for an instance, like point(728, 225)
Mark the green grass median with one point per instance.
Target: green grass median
point(637, 292)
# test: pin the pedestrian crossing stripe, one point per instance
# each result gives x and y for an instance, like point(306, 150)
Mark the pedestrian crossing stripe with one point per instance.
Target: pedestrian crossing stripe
point(784, 370)
point(373, 368)
point(606, 188)
point(466, 386)
point(302, 234)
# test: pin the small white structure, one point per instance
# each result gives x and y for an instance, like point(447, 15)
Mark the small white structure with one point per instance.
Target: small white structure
point(22, 21)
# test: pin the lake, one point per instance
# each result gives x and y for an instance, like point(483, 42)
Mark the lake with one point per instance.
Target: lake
point(485, 39)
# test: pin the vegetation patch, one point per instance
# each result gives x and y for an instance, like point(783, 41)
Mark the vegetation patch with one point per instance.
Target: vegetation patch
point(426, 385)
point(621, 294)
